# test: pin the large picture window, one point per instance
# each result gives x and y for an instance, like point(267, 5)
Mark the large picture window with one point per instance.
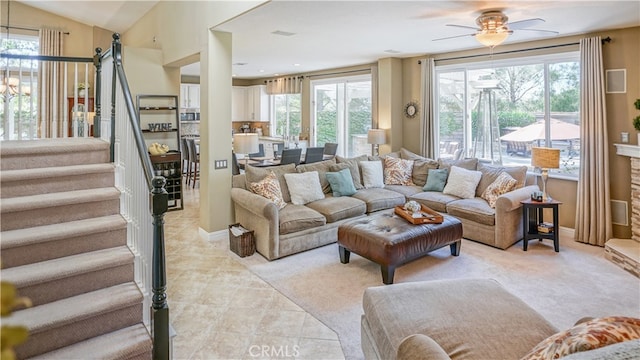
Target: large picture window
point(497, 111)
point(286, 120)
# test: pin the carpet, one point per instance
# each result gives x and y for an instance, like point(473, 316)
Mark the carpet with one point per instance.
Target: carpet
point(563, 287)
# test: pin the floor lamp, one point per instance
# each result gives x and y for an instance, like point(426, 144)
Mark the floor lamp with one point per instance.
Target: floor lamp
point(376, 137)
point(545, 159)
point(245, 143)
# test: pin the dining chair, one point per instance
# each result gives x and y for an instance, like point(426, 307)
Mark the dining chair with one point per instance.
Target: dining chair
point(291, 156)
point(330, 150)
point(186, 163)
point(260, 152)
point(277, 150)
point(314, 154)
point(235, 166)
point(194, 162)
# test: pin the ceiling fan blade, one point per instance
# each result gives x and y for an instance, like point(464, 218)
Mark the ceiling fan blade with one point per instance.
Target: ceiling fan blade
point(522, 24)
point(542, 31)
point(453, 37)
point(463, 26)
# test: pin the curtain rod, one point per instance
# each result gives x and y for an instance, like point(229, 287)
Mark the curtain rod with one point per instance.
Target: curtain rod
point(339, 73)
point(25, 28)
point(605, 40)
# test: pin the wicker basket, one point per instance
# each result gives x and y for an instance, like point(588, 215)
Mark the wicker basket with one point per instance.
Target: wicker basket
point(243, 245)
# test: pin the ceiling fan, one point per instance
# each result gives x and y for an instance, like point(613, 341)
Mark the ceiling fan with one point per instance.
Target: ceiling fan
point(493, 28)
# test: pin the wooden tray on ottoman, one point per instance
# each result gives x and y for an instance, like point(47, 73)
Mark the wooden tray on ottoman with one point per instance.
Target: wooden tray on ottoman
point(428, 216)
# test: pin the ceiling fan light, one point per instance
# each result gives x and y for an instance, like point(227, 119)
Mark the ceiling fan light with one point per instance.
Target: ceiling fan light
point(491, 38)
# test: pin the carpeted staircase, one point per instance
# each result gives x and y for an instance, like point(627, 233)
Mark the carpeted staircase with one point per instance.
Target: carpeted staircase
point(63, 244)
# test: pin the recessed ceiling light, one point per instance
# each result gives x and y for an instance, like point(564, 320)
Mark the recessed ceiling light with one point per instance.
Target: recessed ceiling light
point(240, 64)
point(261, 70)
point(276, 74)
point(283, 33)
point(296, 64)
point(391, 51)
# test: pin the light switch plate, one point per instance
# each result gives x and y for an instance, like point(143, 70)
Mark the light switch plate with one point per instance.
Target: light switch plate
point(220, 164)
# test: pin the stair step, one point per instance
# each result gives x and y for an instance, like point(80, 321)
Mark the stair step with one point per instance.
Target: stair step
point(133, 342)
point(25, 246)
point(37, 210)
point(25, 182)
point(68, 321)
point(29, 154)
point(56, 279)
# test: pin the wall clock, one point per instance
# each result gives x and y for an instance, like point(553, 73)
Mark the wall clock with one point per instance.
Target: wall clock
point(411, 109)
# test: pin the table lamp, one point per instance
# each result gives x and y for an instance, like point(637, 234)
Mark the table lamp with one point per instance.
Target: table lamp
point(245, 143)
point(545, 159)
point(376, 137)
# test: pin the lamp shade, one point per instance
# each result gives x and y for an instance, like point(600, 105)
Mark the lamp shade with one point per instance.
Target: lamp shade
point(376, 136)
point(545, 158)
point(246, 143)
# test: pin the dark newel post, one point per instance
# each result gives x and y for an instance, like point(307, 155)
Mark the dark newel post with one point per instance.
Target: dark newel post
point(116, 47)
point(160, 309)
point(97, 62)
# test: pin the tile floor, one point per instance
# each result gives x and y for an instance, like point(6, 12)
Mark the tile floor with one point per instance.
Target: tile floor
point(220, 310)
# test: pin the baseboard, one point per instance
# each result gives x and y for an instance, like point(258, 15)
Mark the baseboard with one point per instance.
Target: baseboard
point(567, 233)
point(216, 235)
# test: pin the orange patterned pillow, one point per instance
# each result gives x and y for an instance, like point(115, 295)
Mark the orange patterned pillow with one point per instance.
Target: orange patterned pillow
point(397, 171)
point(269, 187)
point(587, 336)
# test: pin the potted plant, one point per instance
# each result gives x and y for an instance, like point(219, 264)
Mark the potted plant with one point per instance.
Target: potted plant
point(82, 87)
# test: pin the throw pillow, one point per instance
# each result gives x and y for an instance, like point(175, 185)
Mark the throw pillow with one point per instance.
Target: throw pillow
point(269, 187)
point(436, 180)
point(354, 168)
point(587, 336)
point(397, 171)
point(322, 167)
point(372, 176)
point(255, 174)
point(341, 183)
point(304, 187)
point(421, 169)
point(462, 182)
point(491, 172)
point(502, 185)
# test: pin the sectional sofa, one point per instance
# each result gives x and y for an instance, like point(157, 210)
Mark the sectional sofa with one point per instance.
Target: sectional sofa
point(282, 230)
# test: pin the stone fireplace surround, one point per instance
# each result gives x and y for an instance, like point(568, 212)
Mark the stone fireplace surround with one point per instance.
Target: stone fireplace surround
point(626, 252)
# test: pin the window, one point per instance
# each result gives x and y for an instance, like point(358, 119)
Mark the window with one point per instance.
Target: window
point(498, 110)
point(286, 119)
point(18, 85)
point(342, 113)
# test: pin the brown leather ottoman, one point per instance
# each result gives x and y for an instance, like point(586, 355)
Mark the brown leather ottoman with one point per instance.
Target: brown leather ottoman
point(389, 240)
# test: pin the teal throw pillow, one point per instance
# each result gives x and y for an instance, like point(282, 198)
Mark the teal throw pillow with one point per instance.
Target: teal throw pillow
point(341, 183)
point(436, 180)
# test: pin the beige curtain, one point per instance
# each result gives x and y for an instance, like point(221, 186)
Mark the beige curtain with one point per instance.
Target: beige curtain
point(51, 87)
point(427, 126)
point(593, 216)
point(285, 85)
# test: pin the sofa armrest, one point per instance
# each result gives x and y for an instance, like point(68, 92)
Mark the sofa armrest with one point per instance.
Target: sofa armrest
point(254, 203)
point(511, 200)
point(260, 215)
point(420, 347)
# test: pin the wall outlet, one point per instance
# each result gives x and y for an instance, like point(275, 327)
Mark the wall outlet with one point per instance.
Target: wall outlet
point(220, 164)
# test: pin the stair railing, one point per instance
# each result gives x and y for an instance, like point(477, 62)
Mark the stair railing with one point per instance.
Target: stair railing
point(144, 200)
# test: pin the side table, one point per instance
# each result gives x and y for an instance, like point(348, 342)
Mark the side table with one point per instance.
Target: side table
point(532, 215)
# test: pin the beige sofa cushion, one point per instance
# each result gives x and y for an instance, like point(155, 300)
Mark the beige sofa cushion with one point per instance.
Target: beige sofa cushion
point(338, 208)
point(434, 199)
point(469, 164)
point(254, 174)
point(457, 314)
point(476, 209)
point(491, 172)
point(379, 199)
point(294, 218)
point(322, 167)
point(406, 190)
point(421, 166)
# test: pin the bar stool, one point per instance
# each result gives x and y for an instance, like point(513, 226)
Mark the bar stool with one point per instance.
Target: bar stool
point(194, 161)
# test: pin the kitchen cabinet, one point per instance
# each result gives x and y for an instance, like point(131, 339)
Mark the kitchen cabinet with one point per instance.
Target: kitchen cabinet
point(190, 96)
point(250, 103)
